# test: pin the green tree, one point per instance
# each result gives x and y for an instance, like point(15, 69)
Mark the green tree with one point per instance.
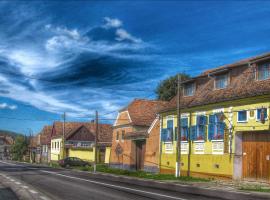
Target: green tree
point(167, 88)
point(19, 148)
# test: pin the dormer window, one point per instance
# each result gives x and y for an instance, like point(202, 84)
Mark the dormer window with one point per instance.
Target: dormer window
point(189, 89)
point(221, 81)
point(264, 71)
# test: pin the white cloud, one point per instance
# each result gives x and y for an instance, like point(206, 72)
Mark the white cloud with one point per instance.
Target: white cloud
point(7, 106)
point(112, 22)
point(122, 34)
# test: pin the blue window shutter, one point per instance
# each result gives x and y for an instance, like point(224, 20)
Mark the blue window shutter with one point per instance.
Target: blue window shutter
point(211, 131)
point(164, 134)
point(204, 120)
point(211, 119)
point(184, 122)
point(193, 132)
point(169, 134)
point(170, 124)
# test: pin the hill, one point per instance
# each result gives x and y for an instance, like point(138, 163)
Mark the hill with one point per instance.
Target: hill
point(10, 133)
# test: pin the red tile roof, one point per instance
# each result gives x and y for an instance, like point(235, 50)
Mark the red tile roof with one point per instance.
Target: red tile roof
point(71, 128)
point(142, 112)
point(45, 137)
point(242, 84)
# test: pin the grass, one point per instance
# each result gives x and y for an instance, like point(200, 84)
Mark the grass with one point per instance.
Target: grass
point(142, 174)
point(255, 188)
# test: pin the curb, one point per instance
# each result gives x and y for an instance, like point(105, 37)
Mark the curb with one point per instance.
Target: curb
point(188, 189)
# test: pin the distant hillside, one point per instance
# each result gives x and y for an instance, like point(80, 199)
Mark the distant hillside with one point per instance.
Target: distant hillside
point(10, 133)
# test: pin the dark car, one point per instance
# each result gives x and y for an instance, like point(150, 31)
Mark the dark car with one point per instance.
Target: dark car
point(73, 161)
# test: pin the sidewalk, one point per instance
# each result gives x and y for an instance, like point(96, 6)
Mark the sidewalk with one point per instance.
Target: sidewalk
point(7, 193)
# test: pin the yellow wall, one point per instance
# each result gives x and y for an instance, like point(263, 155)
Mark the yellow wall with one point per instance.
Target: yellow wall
point(208, 162)
point(84, 154)
point(107, 155)
point(56, 153)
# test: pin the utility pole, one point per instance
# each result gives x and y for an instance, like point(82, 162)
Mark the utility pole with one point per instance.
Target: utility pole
point(189, 144)
point(96, 143)
point(63, 131)
point(178, 148)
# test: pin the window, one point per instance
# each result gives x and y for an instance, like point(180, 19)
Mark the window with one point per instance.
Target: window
point(221, 81)
point(264, 71)
point(262, 114)
point(189, 89)
point(184, 129)
point(216, 127)
point(117, 136)
point(198, 131)
point(123, 133)
point(242, 116)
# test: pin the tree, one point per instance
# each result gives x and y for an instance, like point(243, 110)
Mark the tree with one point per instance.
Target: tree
point(19, 148)
point(167, 88)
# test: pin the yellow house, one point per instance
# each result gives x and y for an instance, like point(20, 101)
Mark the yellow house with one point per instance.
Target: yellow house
point(224, 123)
point(80, 141)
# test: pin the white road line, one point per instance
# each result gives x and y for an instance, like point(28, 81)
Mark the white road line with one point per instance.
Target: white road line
point(8, 163)
point(33, 191)
point(44, 198)
point(114, 186)
point(18, 183)
point(25, 187)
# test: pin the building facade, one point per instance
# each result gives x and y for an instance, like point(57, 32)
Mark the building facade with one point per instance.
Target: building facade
point(130, 136)
point(80, 141)
point(224, 123)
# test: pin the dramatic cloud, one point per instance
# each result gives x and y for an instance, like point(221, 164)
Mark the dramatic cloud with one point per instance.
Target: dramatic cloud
point(57, 68)
point(7, 106)
point(112, 22)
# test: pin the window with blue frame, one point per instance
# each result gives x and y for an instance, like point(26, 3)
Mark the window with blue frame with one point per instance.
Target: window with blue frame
point(198, 131)
point(216, 127)
point(262, 113)
point(184, 129)
point(264, 71)
point(167, 133)
point(242, 116)
point(221, 81)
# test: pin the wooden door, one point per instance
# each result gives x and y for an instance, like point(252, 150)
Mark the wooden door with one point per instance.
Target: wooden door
point(140, 151)
point(256, 156)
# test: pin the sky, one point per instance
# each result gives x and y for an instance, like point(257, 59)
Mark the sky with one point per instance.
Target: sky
point(81, 56)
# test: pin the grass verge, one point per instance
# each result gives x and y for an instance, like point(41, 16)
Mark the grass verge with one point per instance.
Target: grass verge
point(142, 174)
point(255, 188)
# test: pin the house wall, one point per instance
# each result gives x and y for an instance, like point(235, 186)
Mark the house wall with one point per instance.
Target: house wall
point(84, 154)
point(126, 159)
point(151, 157)
point(107, 155)
point(207, 164)
point(56, 153)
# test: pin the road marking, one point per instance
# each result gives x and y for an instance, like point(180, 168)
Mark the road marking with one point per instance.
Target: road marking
point(33, 191)
point(25, 187)
point(44, 198)
point(18, 183)
point(114, 186)
point(8, 163)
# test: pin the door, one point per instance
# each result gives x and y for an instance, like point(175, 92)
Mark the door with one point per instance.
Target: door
point(140, 151)
point(102, 155)
point(256, 156)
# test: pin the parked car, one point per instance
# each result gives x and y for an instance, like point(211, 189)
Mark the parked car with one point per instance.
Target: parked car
point(73, 161)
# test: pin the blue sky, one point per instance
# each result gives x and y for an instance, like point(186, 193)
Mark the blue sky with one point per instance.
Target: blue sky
point(78, 57)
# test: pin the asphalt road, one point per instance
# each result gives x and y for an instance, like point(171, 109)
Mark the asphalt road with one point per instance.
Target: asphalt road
point(71, 185)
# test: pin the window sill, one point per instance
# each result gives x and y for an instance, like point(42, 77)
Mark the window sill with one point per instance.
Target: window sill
point(217, 140)
point(198, 141)
point(242, 122)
